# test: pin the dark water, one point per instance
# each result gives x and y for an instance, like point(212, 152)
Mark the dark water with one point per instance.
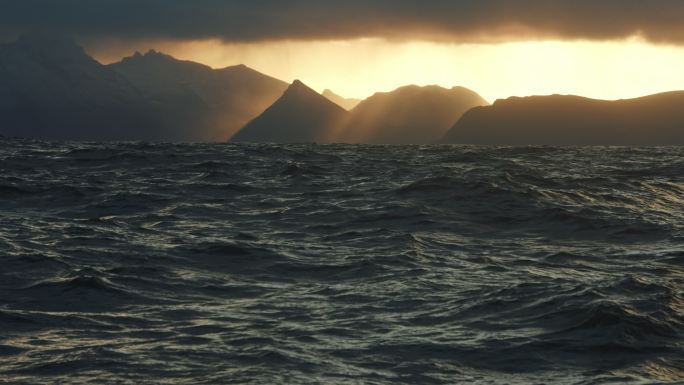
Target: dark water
point(221, 264)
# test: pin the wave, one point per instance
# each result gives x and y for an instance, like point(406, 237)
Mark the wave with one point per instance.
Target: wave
point(340, 264)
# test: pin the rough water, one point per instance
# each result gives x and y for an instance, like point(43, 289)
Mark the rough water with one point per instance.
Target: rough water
point(305, 264)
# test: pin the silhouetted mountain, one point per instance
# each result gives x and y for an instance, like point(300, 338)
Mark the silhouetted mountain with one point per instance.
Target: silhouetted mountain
point(408, 115)
point(50, 89)
point(215, 104)
point(347, 104)
point(573, 120)
point(300, 115)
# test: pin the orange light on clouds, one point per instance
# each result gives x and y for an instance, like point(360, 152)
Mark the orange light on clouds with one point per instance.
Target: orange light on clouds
point(358, 68)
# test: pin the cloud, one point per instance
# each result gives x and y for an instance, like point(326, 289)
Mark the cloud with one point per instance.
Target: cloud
point(262, 20)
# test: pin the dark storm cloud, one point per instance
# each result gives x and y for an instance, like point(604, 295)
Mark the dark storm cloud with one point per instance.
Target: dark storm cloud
point(255, 20)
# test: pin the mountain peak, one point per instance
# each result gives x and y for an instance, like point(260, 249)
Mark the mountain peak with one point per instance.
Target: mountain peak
point(299, 85)
point(301, 91)
point(154, 54)
point(154, 60)
point(150, 55)
point(300, 115)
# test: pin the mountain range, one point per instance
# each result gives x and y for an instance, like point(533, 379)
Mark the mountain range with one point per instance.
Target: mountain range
point(50, 88)
point(566, 120)
point(408, 115)
point(215, 103)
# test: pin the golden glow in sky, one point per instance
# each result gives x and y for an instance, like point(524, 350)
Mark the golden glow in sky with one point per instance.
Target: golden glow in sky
point(358, 68)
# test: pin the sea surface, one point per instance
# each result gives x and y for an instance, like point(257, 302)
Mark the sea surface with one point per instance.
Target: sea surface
point(141, 263)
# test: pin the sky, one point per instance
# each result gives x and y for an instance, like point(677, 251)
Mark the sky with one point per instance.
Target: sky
point(606, 49)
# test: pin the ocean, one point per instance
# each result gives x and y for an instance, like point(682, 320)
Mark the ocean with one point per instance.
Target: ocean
point(138, 263)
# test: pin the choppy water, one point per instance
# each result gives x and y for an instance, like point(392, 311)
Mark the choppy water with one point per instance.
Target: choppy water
point(220, 264)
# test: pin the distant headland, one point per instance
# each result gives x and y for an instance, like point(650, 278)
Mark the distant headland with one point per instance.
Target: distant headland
point(51, 89)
